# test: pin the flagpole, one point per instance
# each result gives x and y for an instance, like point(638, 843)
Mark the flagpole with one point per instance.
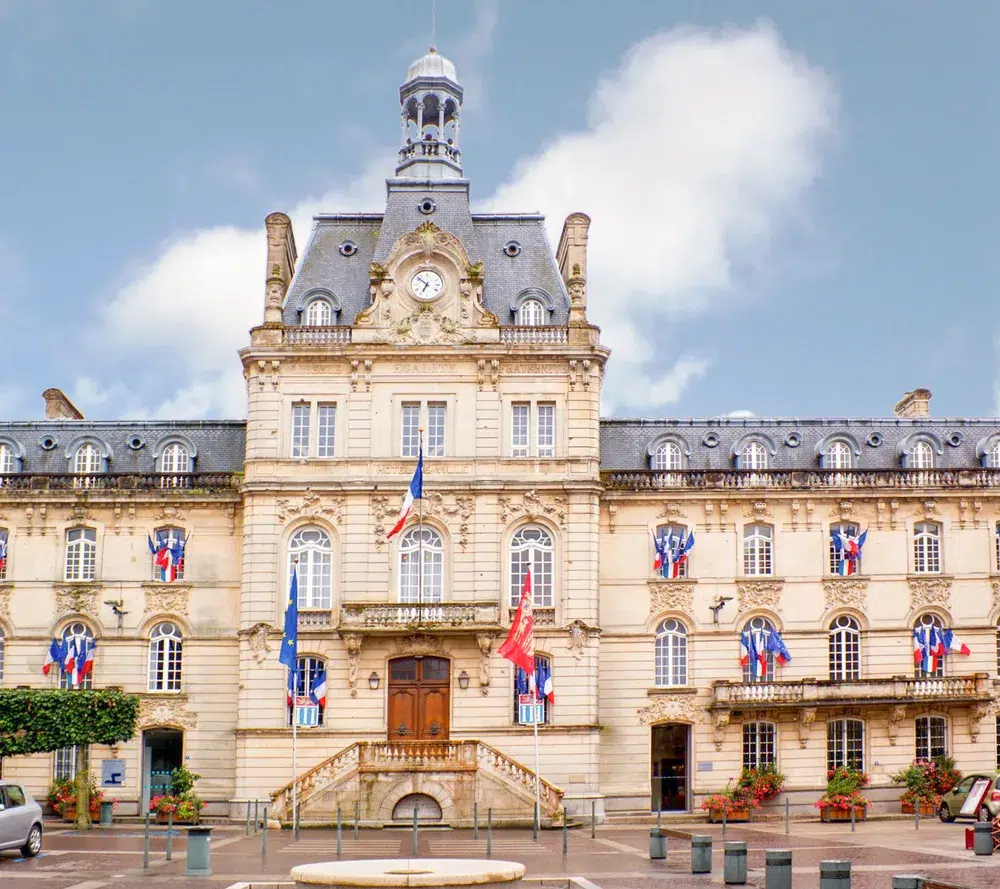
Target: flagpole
point(420, 533)
point(538, 793)
point(295, 724)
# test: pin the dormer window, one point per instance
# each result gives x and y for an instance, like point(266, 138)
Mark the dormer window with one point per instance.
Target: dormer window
point(531, 313)
point(838, 456)
point(753, 456)
point(175, 458)
point(993, 456)
point(922, 456)
point(667, 457)
point(8, 460)
point(88, 460)
point(319, 313)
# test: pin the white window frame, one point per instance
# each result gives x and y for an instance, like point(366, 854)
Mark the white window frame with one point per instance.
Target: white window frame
point(547, 706)
point(534, 426)
point(760, 744)
point(88, 460)
point(8, 459)
point(437, 427)
point(301, 428)
point(852, 530)
point(921, 456)
point(928, 619)
point(326, 429)
point(165, 657)
point(927, 547)
point(81, 554)
point(763, 627)
point(993, 456)
point(758, 550)
point(533, 544)
point(671, 654)
point(415, 413)
point(754, 456)
point(310, 552)
point(925, 728)
point(78, 631)
point(520, 429)
point(668, 457)
point(844, 649)
point(170, 536)
point(839, 455)
point(312, 429)
point(681, 532)
point(307, 668)
point(409, 566)
point(64, 764)
point(175, 459)
point(319, 313)
point(531, 313)
point(845, 744)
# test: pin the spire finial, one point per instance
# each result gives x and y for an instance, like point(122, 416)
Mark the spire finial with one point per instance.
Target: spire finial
point(433, 25)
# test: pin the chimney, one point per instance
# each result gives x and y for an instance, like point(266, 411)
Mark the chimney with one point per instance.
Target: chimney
point(59, 407)
point(914, 404)
point(572, 258)
point(281, 258)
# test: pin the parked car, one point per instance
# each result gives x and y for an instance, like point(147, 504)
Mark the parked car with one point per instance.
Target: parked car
point(20, 820)
point(989, 808)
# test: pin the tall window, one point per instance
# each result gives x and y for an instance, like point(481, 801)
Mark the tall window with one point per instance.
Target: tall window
point(927, 548)
point(300, 430)
point(165, 658)
point(838, 456)
point(531, 313)
point(520, 429)
point(8, 460)
point(761, 628)
point(318, 313)
point(667, 457)
point(676, 535)
point(671, 654)
point(924, 622)
point(175, 458)
point(312, 547)
point(845, 649)
point(168, 560)
point(993, 456)
point(546, 429)
point(996, 546)
point(78, 633)
point(3, 652)
point(326, 424)
point(65, 764)
point(411, 429)
point(758, 745)
point(757, 551)
point(415, 541)
point(921, 456)
point(88, 460)
point(543, 668)
point(931, 734)
point(532, 545)
point(305, 677)
point(849, 529)
point(81, 554)
point(845, 744)
point(435, 429)
point(4, 554)
point(754, 456)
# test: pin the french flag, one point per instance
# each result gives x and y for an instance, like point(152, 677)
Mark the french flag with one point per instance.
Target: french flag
point(54, 656)
point(3, 553)
point(545, 682)
point(414, 492)
point(318, 690)
point(953, 644)
point(69, 660)
point(928, 646)
point(87, 666)
point(752, 653)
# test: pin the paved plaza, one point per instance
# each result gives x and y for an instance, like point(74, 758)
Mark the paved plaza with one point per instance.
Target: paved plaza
point(617, 858)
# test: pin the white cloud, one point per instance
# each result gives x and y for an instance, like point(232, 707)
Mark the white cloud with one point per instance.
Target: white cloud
point(740, 414)
point(699, 147)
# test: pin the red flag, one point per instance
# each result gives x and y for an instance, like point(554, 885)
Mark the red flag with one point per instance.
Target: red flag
point(519, 646)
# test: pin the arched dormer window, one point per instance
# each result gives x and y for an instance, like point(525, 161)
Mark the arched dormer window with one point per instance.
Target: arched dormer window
point(10, 458)
point(318, 313)
point(753, 456)
point(667, 457)
point(531, 314)
point(532, 307)
point(988, 451)
point(922, 456)
point(918, 450)
point(838, 456)
point(87, 460)
point(993, 456)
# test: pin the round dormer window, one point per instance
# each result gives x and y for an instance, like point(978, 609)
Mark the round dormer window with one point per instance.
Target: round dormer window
point(512, 248)
point(427, 206)
point(348, 248)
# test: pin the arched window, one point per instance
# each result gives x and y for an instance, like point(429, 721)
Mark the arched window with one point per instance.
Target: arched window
point(88, 460)
point(927, 548)
point(993, 456)
point(543, 670)
point(931, 736)
point(847, 529)
point(312, 548)
point(757, 551)
point(921, 456)
point(309, 670)
point(754, 456)
point(319, 313)
point(78, 638)
point(8, 460)
point(4, 555)
point(758, 745)
point(671, 654)
point(532, 545)
point(845, 649)
point(429, 542)
point(998, 656)
point(845, 744)
point(761, 628)
point(838, 456)
point(175, 463)
point(168, 554)
point(930, 628)
point(677, 537)
point(531, 313)
point(165, 658)
point(667, 457)
point(996, 547)
point(3, 652)
point(81, 554)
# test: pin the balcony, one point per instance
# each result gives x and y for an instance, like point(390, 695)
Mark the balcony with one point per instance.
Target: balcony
point(970, 689)
point(440, 617)
point(339, 335)
point(798, 479)
point(532, 336)
point(197, 482)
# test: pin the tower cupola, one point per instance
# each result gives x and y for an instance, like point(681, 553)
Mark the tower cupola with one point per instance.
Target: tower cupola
point(430, 106)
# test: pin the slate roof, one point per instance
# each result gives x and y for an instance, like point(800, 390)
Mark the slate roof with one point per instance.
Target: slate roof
point(220, 444)
point(879, 441)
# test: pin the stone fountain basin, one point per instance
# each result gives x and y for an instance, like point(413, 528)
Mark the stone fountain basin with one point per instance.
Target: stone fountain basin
point(402, 873)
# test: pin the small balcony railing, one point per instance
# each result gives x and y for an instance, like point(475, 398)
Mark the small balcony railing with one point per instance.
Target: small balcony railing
point(316, 336)
point(817, 693)
point(406, 617)
point(121, 481)
point(791, 479)
point(530, 336)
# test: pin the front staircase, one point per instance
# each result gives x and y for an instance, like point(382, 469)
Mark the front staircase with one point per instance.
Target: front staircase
point(387, 779)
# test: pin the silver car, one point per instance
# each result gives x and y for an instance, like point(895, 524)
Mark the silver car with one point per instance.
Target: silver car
point(20, 820)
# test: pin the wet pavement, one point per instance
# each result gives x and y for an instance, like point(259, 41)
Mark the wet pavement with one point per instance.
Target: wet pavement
point(617, 858)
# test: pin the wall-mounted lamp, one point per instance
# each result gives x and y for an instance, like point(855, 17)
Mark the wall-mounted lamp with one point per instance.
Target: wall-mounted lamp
point(463, 680)
point(373, 681)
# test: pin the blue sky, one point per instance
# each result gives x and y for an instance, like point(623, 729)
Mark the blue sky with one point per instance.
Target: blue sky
point(795, 204)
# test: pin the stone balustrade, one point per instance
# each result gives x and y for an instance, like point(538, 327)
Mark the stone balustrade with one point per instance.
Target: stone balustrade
point(338, 335)
point(795, 479)
point(531, 336)
point(120, 481)
point(387, 617)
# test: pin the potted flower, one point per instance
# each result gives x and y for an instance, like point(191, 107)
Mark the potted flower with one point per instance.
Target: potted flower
point(920, 780)
point(62, 798)
point(734, 802)
point(946, 776)
point(763, 783)
point(843, 796)
point(182, 802)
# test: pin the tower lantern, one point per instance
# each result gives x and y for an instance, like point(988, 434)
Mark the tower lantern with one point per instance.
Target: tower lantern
point(430, 108)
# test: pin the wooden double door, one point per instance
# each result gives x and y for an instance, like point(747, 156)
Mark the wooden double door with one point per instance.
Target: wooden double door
point(419, 699)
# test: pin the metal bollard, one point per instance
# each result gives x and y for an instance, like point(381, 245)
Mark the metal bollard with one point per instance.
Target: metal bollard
point(778, 869)
point(907, 881)
point(256, 813)
point(982, 840)
point(916, 816)
point(298, 818)
point(788, 816)
point(701, 855)
point(145, 843)
point(263, 835)
point(723, 824)
point(835, 875)
point(534, 824)
point(199, 854)
point(170, 835)
point(246, 827)
point(489, 833)
point(734, 864)
point(357, 819)
point(852, 819)
point(340, 833)
point(657, 844)
point(565, 834)
point(659, 818)
point(475, 821)
point(416, 838)
point(593, 819)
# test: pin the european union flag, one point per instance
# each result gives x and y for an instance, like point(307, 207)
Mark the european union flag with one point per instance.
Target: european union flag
point(290, 640)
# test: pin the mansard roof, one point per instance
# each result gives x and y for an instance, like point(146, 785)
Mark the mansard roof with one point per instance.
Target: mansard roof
point(625, 442)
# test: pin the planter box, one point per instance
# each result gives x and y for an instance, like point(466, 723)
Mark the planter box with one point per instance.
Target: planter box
point(926, 809)
point(69, 814)
point(715, 816)
point(829, 814)
point(164, 818)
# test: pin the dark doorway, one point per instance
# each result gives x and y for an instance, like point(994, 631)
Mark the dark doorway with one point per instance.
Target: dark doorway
point(419, 699)
point(669, 779)
point(162, 752)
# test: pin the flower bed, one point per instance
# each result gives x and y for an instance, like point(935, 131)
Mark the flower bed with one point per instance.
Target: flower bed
point(182, 802)
point(843, 794)
point(62, 798)
point(926, 782)
point(753, 788)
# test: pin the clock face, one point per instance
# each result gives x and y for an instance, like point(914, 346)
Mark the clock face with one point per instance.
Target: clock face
point(426, 284)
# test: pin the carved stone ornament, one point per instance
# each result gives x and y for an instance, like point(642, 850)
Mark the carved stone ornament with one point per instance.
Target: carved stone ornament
point(671, 708)
point(311, 504)
point(485, 643)
point(719, 722)
point(806, 717)
point(6, 590)
point(672, 512)
point(80, 511)
point(352, 641)
point(758, 510)
point(933, 591)
point(843, 511)
point(427, 327)
point(977, 713)
point(257, 636)
point(671, 595)
point(78, 598)
point(759, 594)
point(419, 642)
point(995, 585)
point(457, 506)
point(579, 637)
point(162, 711)
point(533, 506)
point(381, 510)
point(846, 593)
point(166, 598)
point(896, 715)
point(169, 513)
